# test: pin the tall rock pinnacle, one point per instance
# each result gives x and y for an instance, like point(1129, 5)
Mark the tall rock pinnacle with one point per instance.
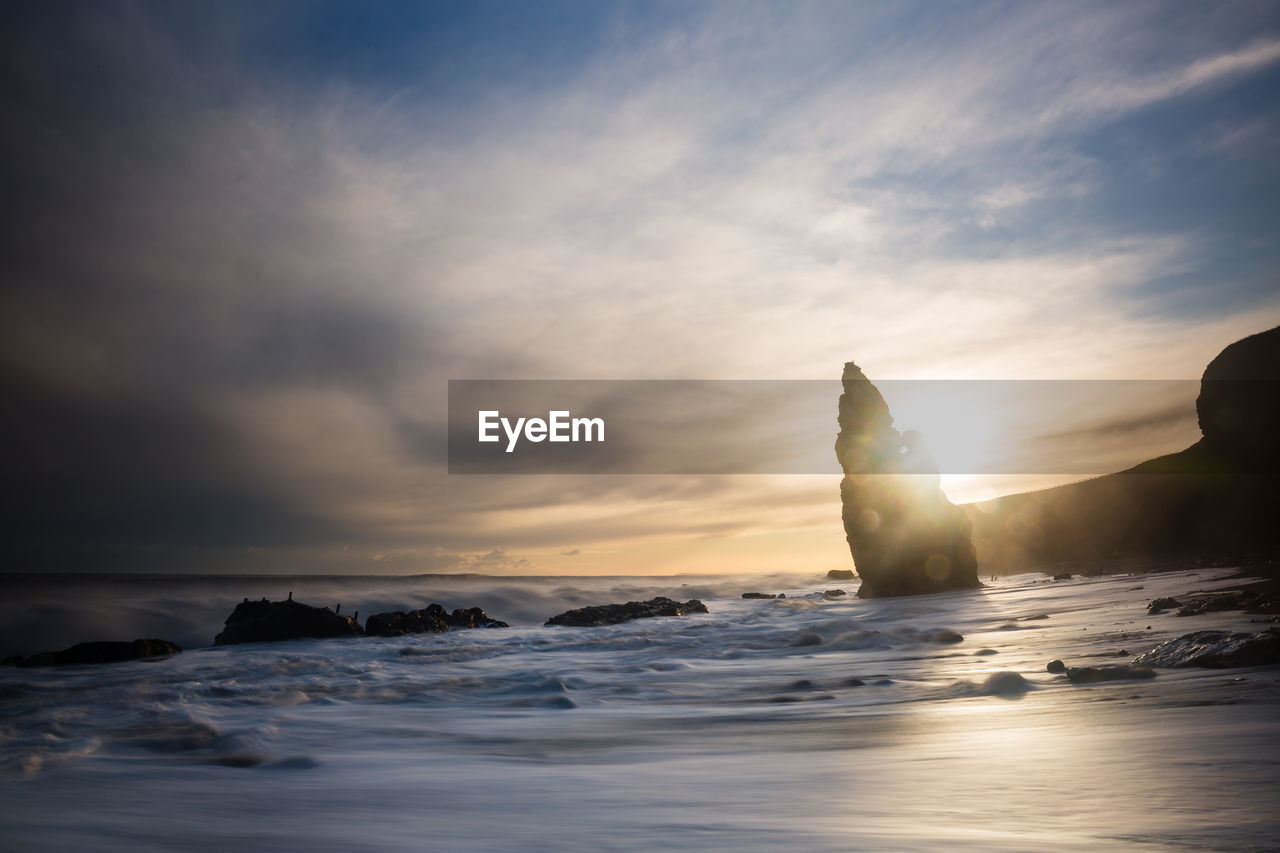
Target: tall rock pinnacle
point(905, 536)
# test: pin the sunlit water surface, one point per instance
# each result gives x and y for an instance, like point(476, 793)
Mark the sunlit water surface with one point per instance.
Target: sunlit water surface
point(801, 724)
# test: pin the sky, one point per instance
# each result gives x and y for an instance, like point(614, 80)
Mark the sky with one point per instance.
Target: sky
point(246, 245)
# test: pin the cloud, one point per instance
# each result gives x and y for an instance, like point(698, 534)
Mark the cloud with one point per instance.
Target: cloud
point(237, 284)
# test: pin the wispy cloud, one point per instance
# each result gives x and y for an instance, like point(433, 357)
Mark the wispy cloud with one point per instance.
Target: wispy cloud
point(294, 263)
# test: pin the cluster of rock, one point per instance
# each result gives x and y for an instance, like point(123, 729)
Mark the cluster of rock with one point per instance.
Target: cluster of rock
point(432, 619)
point(265, 621)
point(101, 652)
point(268, 621)
point(906, 537)
point(1206, 649)
point(1249, 600)
point(612, 614)
point(1217, 650)
point(271, 621)
point(763, 595)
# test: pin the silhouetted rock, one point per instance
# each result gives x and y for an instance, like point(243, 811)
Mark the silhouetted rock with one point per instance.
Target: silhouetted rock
point(840, 575)
point(1217, 650)
point(474, 617)
point(1064, 576)
point(905, 536)
point(432, 619)
point(834, 593)
point(1251, 600)
point(761, 595)
point(104, 652)
point(270, 621)
point(1160, 605)
point(1211, 604)
point(1118, 672)
point(1056, 666)
point(1212, 501)
point(1238, 409)
point(612, 614)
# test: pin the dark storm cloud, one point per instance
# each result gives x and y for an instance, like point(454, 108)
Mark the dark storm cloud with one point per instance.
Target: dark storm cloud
point(156, 250)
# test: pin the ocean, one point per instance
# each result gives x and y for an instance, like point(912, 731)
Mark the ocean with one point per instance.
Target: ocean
point(805, 723)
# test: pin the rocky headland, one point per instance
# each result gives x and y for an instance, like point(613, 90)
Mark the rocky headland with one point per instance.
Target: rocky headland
point(1212, 503)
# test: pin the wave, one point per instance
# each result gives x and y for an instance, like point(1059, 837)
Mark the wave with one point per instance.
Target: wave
point(54, 612)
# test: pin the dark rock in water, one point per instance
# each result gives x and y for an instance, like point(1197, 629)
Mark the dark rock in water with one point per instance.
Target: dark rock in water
point(1160, 605)
point(841, 575)
point(104, 652)
point(1118, 672)
point(758, 595)
point(1064, 576)
point(1056, 666)
point(612, 614)
point(946, 635)
point(834, 593)
point(905, 536)
point(271, 621)
point(1217, 650)
point(14, 660)
point(432, 619)
point(808, 638)
point(474, 617)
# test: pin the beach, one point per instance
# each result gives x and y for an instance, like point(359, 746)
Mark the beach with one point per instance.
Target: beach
point(817, 722)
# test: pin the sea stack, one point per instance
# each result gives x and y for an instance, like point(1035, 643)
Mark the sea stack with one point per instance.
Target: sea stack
point(906, 537)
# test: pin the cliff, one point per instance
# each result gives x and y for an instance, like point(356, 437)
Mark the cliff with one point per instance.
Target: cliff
point(1212, 502)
